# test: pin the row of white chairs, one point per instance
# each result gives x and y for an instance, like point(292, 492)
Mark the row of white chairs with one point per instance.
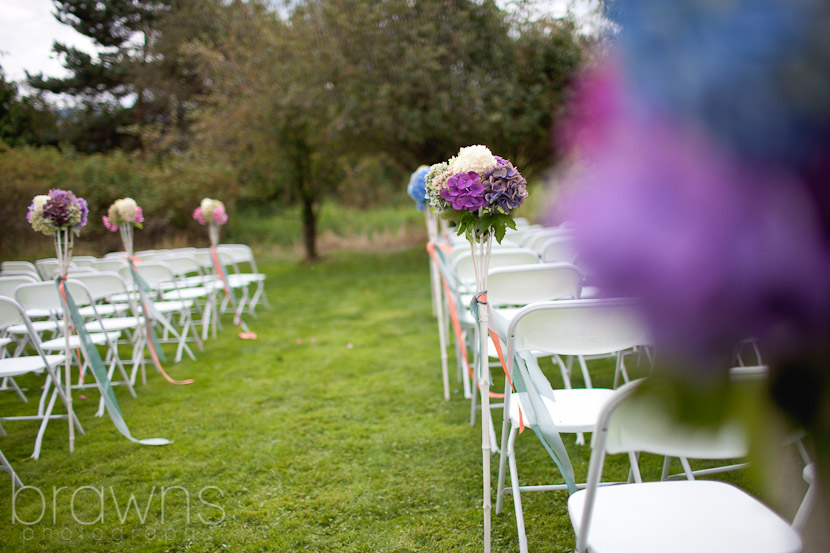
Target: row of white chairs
point(574, 327)
point(182, 286)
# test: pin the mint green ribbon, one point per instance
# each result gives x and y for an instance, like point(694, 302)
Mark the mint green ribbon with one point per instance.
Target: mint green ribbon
point(100, 371)
point(147, 305)
point(536, 387)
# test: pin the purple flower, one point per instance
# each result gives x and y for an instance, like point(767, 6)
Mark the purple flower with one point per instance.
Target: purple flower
point(464, 191)
point(717, 248)
point(57, 209)
point(504, 187)
point(84, 212)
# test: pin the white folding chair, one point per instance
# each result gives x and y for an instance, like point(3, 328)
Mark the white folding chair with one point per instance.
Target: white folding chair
point(509, 289)
point(12, 314)
point(45, 295)
point(117, 316)
point(242, 255)
point(565, 327)
point(171, 303)
point(676, 516)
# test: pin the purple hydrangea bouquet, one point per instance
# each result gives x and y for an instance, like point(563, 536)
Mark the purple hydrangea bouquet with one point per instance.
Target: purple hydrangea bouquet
point(123, 215)
point(478, 191)
point(61, 214)
point(211, 213)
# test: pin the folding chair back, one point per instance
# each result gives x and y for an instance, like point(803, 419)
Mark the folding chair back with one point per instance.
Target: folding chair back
point(39, 295)
point(579, 327)
point(8, 284)
point(559, 249)
point(111, 264)
point(506, 257)
point(103, 285)
point(18, 266)
point(155, 274)
point(84, 260)
point(524, 284)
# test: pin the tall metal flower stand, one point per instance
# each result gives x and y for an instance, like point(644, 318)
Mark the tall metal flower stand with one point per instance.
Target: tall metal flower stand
point(481, 247)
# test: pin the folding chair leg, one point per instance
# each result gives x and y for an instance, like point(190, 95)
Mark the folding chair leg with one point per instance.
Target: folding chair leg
point(517, 498)
point(17, 390)
point(508, 436)
point(15, 479)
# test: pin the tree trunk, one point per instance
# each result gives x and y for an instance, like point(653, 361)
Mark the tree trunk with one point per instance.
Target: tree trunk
point(310, 228)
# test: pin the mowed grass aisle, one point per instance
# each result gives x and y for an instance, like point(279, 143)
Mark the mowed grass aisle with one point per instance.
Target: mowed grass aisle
point(279, 445)
point(328, 433)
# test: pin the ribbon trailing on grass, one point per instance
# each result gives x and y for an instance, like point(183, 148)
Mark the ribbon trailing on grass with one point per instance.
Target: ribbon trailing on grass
point(244, 332)
point(98, 369)
point(149, 311)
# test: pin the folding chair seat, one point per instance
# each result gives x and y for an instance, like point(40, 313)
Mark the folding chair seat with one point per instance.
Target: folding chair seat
point(677, 516)
point(564, 327)
point(12, 314)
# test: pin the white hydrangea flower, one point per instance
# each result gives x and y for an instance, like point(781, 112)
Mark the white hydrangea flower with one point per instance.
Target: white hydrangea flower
point(476, 158)
point(128, 209)
point(208, 206)
point(39, 201)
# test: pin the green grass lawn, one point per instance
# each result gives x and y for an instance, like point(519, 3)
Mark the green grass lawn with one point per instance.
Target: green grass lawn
point(328, 433)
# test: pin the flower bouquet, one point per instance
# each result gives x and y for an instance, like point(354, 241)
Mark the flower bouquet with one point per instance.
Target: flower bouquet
point(123, 215)
point(61, 214)
point(478, 192)
point(211, 213)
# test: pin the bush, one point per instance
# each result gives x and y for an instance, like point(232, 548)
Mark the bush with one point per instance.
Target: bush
point(168, 190)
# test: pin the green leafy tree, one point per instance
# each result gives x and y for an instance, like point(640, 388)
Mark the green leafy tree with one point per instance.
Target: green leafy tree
point(137, 91)
point(297, 99)
point(25, 120)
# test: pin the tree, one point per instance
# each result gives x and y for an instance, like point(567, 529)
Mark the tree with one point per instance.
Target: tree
point(137, 92)
point(25, 120)
point(296, 99)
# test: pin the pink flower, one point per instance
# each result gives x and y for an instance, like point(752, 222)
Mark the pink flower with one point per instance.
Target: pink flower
point(112, 227)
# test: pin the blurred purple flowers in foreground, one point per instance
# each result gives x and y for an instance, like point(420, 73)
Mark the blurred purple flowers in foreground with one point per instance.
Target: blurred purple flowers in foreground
point(703, 181)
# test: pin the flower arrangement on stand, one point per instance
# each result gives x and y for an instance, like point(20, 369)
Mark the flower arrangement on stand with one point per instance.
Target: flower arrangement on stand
point(123, 215)
point(212, 213)
point(61, 214)
point(478, 191)
point(417, 191)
